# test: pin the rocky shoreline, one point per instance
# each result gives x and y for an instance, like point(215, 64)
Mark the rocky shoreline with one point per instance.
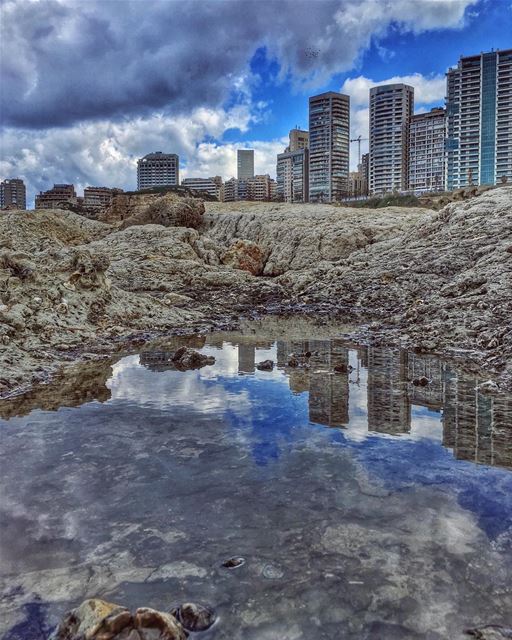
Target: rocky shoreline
point(74, 289)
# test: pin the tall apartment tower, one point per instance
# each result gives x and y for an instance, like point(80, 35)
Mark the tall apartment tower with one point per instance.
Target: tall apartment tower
point(427, 132)
point(391, 108)
point(13, 194)
point(329, 146)
point(479, 120)
point(245, 163)
point(158, 170)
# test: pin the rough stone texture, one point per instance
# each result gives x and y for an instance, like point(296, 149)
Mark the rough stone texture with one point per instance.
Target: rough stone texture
point(294, 237)
point(444, 282)
point(437, 281)
point(99, 620)
point(245, 255)
point(169, 210)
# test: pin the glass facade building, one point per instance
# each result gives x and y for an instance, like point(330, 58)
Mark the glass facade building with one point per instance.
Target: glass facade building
point(479, 120)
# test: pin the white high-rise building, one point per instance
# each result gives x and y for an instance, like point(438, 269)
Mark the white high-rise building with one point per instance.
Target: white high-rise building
point(158, 170)
point(391, 108)
point(479, 120)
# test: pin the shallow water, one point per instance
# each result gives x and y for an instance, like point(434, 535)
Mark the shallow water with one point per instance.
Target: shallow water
point(364, 506)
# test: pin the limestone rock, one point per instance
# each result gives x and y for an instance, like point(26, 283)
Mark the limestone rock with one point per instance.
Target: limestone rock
point(96, 619)
point(245, 255)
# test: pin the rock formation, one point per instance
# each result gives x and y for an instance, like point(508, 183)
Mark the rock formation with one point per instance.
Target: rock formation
point(437, 281)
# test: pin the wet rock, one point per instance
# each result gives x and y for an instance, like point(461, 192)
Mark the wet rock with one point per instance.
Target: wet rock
point(194, 617)
point(489, 387)
point(293, 362)
point(185, 358)
point(234, 563)
point(421, 382)
point(343, 368)
point(96, 619)
point(265, 365)
point(490, 632)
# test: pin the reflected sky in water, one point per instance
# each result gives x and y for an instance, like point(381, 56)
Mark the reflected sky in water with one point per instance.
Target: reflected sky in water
point(385, 506)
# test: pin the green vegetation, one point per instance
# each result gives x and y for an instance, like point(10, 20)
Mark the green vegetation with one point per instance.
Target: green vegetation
point(387, 200)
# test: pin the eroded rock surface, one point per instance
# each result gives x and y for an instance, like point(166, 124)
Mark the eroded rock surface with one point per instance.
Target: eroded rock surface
point(436, 281)
point(99, 620)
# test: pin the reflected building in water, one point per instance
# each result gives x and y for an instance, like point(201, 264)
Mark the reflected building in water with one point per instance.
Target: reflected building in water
point(389, 405)
point(477, 427)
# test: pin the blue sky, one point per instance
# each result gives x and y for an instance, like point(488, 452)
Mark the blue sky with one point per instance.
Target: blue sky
point(488, 25)
point(95, 85)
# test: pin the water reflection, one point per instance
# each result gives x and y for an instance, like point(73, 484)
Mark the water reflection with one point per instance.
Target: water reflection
point(475, 426)
point(135, 482)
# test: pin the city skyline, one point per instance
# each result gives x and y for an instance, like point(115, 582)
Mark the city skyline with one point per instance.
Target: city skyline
point(98, 138)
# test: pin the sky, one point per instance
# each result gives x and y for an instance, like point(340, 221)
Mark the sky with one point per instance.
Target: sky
point(89, 86)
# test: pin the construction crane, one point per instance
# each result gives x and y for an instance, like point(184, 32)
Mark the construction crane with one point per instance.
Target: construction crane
point(359, 139)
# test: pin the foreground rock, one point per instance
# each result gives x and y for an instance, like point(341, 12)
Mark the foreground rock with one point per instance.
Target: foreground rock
point(99, 620)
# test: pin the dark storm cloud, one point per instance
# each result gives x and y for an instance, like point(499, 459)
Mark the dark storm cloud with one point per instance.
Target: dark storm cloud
point(64, 62)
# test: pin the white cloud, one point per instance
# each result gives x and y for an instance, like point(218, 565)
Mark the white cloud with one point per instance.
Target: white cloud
point(105, 153)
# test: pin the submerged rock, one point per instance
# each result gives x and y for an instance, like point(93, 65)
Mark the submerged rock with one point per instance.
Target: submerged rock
point(96, 619)
point(194, 617)
point(490, 632)
point(185, 358)
point(233, 563)
point(265, 365)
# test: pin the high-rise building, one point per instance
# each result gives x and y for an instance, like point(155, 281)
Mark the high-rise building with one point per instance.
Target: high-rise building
point(329, 146)
point(210, 186)
point(158, 170)
point(391, 108)
point(299, 139)
point(245, 163)
point(479, 120)
point(52, 198)
point(13, 194)
point(427, 132)
point(292, 176)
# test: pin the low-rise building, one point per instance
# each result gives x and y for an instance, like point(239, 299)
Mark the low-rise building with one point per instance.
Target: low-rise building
point(53, 197)
point(211, 186)
point(292, 176)
point(260, 188)
point(99, 197)
point(357, 184)
point(13, 194)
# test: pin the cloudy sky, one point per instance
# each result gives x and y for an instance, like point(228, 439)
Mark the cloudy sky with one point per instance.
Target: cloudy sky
point(89, 86)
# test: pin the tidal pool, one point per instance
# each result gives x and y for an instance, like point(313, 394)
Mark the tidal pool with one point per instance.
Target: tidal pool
point(363, 506)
